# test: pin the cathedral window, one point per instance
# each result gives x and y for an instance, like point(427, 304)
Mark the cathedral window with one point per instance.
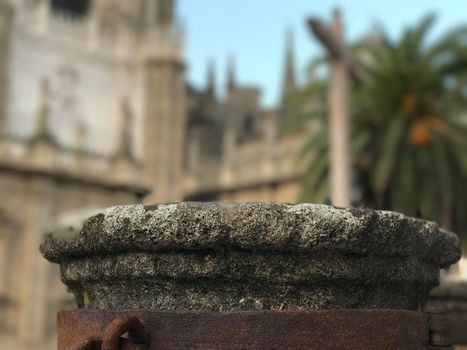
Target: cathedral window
point(75, 8)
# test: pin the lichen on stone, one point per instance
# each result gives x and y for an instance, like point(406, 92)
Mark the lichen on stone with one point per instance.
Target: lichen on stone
point(242, 256)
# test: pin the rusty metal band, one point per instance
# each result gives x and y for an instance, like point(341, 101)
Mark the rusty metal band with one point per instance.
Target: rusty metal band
point(323, 330)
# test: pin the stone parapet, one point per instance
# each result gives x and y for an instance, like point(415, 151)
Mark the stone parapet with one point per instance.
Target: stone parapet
point(251, 256)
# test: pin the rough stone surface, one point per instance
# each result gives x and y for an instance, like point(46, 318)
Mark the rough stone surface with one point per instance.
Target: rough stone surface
point(251, 256)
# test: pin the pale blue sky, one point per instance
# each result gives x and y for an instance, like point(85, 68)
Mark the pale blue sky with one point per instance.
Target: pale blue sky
point(254, 31)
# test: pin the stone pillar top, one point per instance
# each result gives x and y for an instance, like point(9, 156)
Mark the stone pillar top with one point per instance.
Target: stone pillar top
point(251, 256)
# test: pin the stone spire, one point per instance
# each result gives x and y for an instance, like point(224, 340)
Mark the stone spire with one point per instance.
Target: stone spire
point(43, 146)
point(211, 79)
point(289, 84)
point(125, 166)
point(42, 131)
point(125, 148)
point(81, 133)
point(231, 74)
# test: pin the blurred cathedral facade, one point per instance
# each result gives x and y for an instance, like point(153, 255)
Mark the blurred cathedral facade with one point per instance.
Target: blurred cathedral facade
point(239, 151)
point(95, 111)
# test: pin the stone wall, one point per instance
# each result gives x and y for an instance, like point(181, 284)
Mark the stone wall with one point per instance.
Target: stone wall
point(72, 119)
point(86, 85)
point(30, 291)
point(261, 169)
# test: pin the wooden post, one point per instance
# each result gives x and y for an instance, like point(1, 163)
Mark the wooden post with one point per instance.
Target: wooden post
point(332, 38)
point(338, 124)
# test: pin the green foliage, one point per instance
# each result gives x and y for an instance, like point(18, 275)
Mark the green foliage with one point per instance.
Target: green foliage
point(409, 134)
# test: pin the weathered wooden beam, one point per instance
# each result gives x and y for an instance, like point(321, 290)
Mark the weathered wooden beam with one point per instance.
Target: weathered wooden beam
point(324, 34)
point(332, 38)
point(335, 48)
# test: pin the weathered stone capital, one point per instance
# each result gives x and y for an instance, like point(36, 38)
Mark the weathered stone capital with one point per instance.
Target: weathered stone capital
point(246, 256)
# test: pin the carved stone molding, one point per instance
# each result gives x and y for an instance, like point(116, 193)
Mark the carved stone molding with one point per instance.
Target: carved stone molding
point(251, 256)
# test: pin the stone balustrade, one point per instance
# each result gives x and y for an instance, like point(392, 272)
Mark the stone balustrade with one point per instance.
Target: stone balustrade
point(251, 256)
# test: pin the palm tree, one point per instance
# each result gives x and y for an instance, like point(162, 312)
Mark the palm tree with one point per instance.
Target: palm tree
point(409, 139)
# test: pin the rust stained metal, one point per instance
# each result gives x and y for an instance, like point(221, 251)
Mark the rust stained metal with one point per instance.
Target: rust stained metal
point(121, 325)
point(440, 335)
point(324, 330)
point(113, 338)
point(92, 343)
